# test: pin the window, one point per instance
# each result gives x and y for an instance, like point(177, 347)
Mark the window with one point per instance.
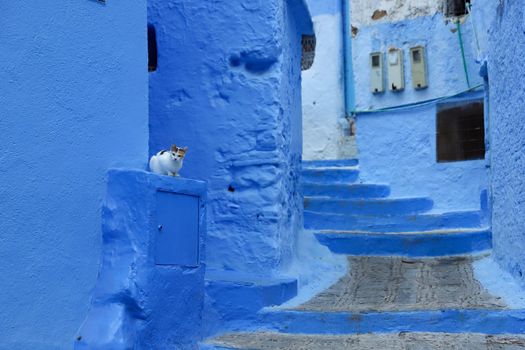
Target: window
point(455, 8)
point(460, 131)
point(308, 43)
point(416, 56)
point(152, 48)
point(376, 61)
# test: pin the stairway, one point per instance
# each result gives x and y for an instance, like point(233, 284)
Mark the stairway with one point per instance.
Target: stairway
point(362, 219)
point(411, 282)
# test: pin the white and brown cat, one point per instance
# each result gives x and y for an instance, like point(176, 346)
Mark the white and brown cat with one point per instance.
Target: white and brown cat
point(168, 162)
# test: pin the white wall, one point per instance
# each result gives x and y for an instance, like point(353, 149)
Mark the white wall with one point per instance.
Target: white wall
point(323, 92)
point(397, 10)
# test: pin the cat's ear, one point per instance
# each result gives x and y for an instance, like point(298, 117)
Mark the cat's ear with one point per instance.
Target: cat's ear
point(174, 148)
point(185, 149)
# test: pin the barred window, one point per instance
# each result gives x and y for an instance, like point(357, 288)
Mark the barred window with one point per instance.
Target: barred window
point(308, 43)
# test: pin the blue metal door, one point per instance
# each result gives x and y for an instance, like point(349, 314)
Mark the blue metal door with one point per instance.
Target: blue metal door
point(177, 236)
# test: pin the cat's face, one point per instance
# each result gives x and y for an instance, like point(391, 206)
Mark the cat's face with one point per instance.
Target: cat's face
point(178, 153)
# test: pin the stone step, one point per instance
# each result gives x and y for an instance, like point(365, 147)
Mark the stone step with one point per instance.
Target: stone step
point(330, 163)
point(385, 341)
point(235, 296)
point(417, 300)
point(325, 175)
point(346, 191)
point(372, 206)
point(405, 223)
point(455, 321)
point(409, 244)
point(400, 284)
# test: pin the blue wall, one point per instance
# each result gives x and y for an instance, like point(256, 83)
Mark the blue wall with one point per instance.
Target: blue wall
point(444, 61)
point(73, 103)
point(399, 147)
point(142, 300)
point(227, 86)
point(506, 67)
point(323, 7)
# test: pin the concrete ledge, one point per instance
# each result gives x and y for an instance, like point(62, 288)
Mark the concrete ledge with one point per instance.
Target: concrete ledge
point(424, 222)
point(368, 341)
point(346, 191)
point(374, 206)
point(232, 297)
point(449, 321)
point(330, 163)
point(408, 244)
point(205, 346)
point(330, 175)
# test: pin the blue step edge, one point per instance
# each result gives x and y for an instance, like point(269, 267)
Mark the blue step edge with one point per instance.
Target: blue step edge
point(205, 346)
point(375, 206)
point(330, 175)
point(449, 321)
point(408, 223)
point(484, 321)
point(409, 244)
point(330, 162)
point(232, 296)
point(346, 191)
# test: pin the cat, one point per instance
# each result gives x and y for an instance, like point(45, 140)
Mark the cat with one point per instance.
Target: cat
point(168, 162)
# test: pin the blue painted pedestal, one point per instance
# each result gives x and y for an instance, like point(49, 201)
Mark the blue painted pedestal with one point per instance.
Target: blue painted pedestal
point(150, 289)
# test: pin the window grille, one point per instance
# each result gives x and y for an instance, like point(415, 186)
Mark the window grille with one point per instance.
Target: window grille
point(308, 43)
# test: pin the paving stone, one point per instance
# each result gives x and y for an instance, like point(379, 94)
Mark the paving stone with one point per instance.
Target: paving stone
point(401, 284)
point(395, 341)
point(392, 284)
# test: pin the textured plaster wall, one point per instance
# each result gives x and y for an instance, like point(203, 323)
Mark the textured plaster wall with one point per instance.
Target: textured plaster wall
point(323, 7)
point(323, 86)
point(444, 61)
point(399, 147)
point(396, 10)
point(137, 303)
point(506, 74)
point(73, 102)
point(227, 86)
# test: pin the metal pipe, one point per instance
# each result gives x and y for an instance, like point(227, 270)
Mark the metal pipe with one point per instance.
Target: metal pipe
point(348, 69)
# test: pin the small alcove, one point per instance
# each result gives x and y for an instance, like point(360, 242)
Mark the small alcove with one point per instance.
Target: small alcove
point(152, 48)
